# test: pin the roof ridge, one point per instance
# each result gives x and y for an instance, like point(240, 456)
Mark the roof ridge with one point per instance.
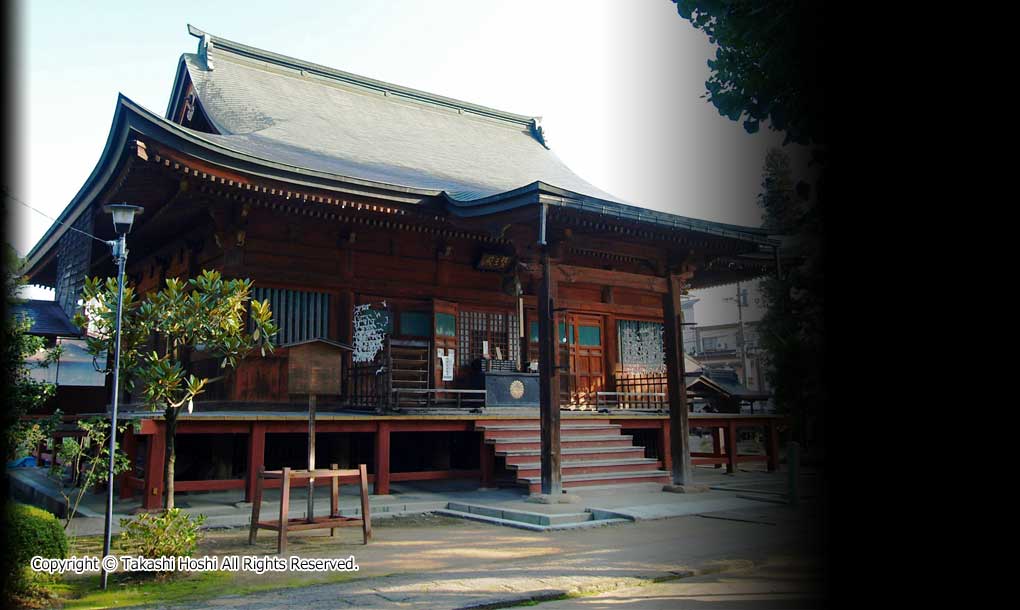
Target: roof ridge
point(269, 57)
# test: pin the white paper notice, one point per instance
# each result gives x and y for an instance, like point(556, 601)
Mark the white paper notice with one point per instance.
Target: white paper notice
point(485, 349)
point(448, 367)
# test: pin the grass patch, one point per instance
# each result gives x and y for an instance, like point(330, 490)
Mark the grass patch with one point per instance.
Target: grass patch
point(85, 594)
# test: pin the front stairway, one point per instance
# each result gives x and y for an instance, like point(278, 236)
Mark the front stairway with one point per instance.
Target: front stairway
point(592, 452)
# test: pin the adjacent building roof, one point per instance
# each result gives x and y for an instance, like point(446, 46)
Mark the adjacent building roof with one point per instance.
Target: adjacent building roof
point(726, 383)
point(47, 318)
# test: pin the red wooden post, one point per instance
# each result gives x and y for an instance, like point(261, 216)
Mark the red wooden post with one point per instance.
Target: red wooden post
point(382, 459)
point(281, 540)
point(731, 447)
point(667, 456)
point(773, 447)
point(131, 449)
point(717, 444)
point(256, 457)
point(366, 511)
point(152, 495)
point(486, 463)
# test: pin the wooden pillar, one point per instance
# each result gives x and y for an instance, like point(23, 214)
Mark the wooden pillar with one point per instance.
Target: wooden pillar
point(731, 447)
point(612, 350)
point(717, 444)
point(664, 441)
point(256, 458)
point(675, 383)
point(152, 495)
point(130, 443)
point(382, 459)
point(549, 380)
point(773, 446)
point(486, 462)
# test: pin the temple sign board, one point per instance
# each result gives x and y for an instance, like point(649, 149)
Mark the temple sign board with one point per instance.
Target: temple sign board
point(313, 368)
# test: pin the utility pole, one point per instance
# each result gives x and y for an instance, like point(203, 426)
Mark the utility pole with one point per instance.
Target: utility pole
point(741, 338)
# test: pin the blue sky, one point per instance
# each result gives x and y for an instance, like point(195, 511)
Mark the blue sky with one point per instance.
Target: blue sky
point(618, 85)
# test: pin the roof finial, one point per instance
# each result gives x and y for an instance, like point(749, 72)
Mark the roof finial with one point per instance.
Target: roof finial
point(537, 131)
point(204, 44)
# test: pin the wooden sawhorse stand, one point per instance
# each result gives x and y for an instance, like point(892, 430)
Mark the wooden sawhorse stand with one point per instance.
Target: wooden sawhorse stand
point(331, 522)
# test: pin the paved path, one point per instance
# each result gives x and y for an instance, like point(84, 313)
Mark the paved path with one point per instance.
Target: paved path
point(786, 585)
point(475, 565)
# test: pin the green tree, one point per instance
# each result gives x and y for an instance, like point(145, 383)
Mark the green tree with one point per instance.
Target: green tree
point(23, 393)
point(165, 334)
point(86, 458)
point(767, 65)
point(767, 68)
point(792, 332)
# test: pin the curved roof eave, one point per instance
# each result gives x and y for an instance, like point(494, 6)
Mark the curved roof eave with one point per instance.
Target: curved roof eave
point(540, 192)
point(131, 117)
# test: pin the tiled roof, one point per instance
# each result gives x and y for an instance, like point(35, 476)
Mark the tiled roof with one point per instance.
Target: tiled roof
point(48, 319)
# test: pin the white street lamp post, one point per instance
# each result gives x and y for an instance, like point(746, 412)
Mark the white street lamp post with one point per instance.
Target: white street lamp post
point(123, 217)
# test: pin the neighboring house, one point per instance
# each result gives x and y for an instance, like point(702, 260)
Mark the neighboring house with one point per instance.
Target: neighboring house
point(720, 346)
point(80, 388)
point(416, 228)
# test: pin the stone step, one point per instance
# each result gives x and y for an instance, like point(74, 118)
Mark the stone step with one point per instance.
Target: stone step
point(534, 483)
point(534, 469)
point(606, 519)
point(523, 456)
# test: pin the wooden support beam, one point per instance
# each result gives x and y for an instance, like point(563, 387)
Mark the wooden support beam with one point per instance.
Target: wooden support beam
point(382, 459)
point(152, 495)
point(679, 442)
point(549, 380)
point(486, 462)
point(256, 458)
point(731, 447)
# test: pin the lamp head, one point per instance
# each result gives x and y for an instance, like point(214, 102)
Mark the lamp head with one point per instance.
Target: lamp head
point(123, 216)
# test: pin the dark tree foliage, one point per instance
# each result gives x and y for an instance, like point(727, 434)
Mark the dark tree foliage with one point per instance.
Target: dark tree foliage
point(792, 331)
point(767, 63)
point(767, 68)
point(22, 394)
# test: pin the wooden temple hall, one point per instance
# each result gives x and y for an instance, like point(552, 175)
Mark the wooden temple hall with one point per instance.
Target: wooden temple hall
point(455, 278)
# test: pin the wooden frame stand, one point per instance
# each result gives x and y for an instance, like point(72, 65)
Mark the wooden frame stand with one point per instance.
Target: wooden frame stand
point(330, 522)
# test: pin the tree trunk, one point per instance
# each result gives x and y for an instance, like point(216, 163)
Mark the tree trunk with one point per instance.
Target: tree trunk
point(171, 455)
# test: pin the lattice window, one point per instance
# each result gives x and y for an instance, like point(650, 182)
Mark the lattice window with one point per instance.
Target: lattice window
point(498, 328)
point(642, 346)
point(300, 315)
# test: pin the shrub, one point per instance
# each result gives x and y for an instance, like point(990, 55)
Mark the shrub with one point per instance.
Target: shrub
point(169, 533)
point(30, 531)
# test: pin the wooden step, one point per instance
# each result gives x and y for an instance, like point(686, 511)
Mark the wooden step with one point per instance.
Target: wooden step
point(565, 422)
point(534, 432)
point(620, 440)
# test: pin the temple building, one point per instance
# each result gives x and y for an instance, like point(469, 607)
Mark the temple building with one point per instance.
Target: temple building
point(416, 233)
